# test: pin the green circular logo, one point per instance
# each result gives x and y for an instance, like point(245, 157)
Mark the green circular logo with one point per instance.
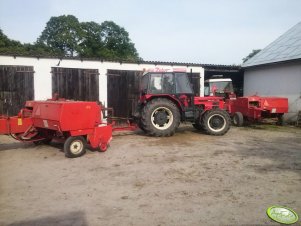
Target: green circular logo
point(282, 214)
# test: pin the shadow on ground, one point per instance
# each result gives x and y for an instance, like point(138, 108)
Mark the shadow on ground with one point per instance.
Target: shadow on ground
point(284, 152)
point(77, 218)
point(10, 146)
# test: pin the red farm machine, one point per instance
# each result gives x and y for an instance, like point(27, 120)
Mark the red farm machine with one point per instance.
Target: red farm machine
point(249, 108)
point(166, 99)
point(77, 122)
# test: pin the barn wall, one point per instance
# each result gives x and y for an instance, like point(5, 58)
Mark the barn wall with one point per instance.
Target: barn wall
point(42, 68)
point(277, 80)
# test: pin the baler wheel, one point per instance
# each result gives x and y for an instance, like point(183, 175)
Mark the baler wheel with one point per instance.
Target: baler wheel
point(103, 147)
point(75, 147)
point(216, 122)
point(280, 121)
point(238, 119)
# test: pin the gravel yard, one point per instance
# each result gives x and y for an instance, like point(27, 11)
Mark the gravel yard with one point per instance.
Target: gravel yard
point(188, 179)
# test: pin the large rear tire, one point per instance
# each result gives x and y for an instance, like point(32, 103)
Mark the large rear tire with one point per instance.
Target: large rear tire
point(160, 117)
point(216, 122)
point(139, 124)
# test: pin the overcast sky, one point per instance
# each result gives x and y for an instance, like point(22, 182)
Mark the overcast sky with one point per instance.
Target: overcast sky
point(195, 31)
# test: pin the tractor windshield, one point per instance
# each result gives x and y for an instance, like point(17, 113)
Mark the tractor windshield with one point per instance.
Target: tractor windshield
point(217, 88)
point(165, 83)
point(161, 83)
point(182, 83)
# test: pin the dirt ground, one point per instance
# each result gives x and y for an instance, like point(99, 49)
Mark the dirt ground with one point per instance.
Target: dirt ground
point(188, 179)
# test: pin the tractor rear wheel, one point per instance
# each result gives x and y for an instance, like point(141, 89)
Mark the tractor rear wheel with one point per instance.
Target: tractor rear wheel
point(160, 117)
point(75, 147)
point(216, 122)
point(238, 119)
point(139, 124)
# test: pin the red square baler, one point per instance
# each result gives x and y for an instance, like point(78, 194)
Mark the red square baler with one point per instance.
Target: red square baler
point(78, 122)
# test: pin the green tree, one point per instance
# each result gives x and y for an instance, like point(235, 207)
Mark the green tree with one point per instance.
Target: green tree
point(116, 41)
point(91, 45)
point(253, 53)
point(62, 34)
point(9, 46)
point(66, 36)
point(39, 49)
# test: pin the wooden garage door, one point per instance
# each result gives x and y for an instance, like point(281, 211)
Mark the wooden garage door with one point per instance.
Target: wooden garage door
point(16, 87)
point(75, 84)
point(123, 91)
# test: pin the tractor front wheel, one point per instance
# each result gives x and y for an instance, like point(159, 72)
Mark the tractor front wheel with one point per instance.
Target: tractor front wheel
point(216, 122)
point(160, 117)
point(75, 147)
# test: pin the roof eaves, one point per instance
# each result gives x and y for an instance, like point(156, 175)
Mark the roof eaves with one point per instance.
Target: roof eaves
point(206, 66)
point(272, 63)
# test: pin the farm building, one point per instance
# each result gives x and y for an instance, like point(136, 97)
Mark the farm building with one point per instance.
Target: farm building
point(276, 71)
point(116, 84)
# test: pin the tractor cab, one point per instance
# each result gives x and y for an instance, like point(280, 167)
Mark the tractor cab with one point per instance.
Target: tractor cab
point(176, 85)
point(165, 83)
point(221, 87)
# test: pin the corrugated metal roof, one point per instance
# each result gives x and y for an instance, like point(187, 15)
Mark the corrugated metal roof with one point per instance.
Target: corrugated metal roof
point(285, 48)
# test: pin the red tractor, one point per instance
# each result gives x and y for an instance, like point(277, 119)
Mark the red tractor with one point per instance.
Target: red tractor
point(166, 99)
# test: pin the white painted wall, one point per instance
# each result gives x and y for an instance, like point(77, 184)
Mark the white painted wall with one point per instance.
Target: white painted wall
point(42, 68)
point(276, 80)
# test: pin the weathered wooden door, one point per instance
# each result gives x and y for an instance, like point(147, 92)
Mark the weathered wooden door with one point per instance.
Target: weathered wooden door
point(123, 91)
point(75, 84)
point(16, 87)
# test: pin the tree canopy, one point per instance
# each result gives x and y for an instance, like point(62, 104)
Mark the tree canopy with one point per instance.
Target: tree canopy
point(62, 34)
point(116, 41)
point(9, 46)
point(253, 53)
point(91, 44)
point(66, 36)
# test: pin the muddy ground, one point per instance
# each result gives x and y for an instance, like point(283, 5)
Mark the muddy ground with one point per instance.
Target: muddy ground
point(187, 179)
